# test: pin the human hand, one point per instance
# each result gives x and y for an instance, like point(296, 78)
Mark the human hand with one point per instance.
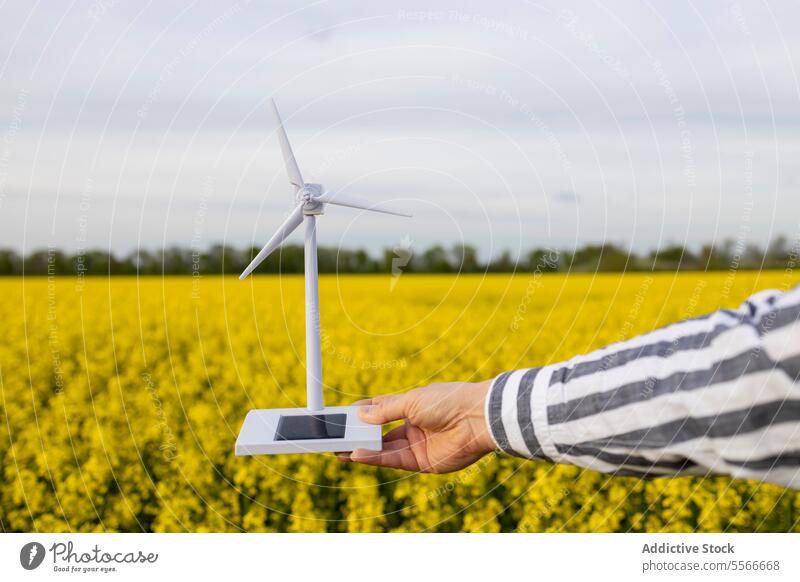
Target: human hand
point(445, 428)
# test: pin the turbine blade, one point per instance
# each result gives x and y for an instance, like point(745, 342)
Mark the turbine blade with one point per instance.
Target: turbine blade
point(362, 203)
point(291, 223)
point(288, 157)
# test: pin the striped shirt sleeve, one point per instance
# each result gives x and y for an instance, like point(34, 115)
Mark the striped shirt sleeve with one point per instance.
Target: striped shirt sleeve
point(714, 394)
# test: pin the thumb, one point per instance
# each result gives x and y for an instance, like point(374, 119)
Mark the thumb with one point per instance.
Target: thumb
point(385, 409)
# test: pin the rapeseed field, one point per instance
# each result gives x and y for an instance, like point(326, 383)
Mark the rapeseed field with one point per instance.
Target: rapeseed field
point(121, 399)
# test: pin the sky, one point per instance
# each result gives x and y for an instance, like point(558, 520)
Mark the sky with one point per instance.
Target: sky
point(505, 125)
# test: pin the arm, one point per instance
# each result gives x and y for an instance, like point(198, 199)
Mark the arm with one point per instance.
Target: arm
point(718, 393)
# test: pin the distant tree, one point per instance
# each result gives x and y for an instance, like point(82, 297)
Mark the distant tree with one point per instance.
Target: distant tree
point(143, 262)
point(753, 257)
point(94, 262)
point(47, 262)
point(778, 252)
point(288, 259)
point(10, 262)
point(361, 262)
point(213, 261)
point(672, 258)
point(176, 261)
point(465, 258)
point(329, 260)
point(542, 260)
point(605, 257)
point(436, 260)
point(503, 263)
point(386, 260)
point(716, 257)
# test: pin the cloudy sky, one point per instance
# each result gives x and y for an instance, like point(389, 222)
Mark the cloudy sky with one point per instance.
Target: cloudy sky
point(505, 125)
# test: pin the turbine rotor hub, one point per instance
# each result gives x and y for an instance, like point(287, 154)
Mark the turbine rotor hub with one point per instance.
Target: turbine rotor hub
point(307, 195)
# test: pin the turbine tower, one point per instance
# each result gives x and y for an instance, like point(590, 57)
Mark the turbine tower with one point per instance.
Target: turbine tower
point(310, 201)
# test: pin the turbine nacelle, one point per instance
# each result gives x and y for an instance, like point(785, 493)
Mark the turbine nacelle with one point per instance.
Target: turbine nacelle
point(309, 196)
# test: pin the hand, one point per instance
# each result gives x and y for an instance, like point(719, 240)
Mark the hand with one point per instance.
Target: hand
point(445, 428)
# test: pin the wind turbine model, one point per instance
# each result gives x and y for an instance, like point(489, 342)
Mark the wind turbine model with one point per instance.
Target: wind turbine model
point(317, 428)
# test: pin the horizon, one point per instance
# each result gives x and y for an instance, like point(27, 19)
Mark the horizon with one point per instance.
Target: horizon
point(693, 247)
point(781, 254)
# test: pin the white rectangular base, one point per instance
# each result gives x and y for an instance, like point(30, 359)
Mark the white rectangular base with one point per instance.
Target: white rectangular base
point(259, 432)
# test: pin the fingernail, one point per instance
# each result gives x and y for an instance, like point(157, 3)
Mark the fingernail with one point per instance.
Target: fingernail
point(366, 410)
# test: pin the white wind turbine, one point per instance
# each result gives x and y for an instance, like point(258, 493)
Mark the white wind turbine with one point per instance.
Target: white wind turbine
point(315, 428)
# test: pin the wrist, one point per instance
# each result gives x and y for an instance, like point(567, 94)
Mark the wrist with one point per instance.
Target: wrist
point(476, 416)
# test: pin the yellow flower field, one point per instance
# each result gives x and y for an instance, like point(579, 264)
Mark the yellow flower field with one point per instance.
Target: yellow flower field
point(121, 399)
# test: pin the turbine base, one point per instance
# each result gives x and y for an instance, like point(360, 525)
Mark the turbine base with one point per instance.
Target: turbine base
point(279, 431)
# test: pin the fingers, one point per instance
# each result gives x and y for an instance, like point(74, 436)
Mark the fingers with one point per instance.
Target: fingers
point(395, 434)
point(396, 454)
point(385, 409)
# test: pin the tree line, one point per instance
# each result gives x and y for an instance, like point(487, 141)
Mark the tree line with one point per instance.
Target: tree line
point(221, 259)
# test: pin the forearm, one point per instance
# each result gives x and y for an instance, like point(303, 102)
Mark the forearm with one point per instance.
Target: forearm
point(712, 394)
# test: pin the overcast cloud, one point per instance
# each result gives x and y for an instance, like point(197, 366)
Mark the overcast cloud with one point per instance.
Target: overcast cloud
point(507, 125)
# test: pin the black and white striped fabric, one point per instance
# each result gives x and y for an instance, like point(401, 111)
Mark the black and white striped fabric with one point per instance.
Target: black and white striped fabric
point(714, 394)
